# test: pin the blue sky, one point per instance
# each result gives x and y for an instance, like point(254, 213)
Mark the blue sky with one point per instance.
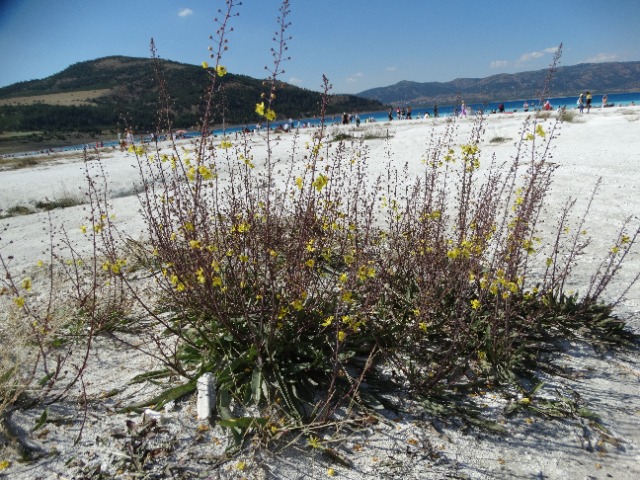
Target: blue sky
point(358, 44)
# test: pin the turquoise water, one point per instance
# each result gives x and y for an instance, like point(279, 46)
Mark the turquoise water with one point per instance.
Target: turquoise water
point(618, 99)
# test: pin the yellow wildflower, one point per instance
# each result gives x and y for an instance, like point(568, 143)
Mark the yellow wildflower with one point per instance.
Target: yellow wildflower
point(270, 115)
point(341, 336)
point(314, 442)
point(26, 284)
point(475, 304)
point(260, 108)
point(221, 71)
point(19, 301)
point(454, 253)
point(200, 275)
point(205, 172)
point(299, 183)
point(205, 65)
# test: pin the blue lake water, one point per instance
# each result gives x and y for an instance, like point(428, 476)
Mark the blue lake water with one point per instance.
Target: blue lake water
point(617, 99)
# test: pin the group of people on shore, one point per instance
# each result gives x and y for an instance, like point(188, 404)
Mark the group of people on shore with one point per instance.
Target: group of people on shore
point(401, 113)
point(585, 100)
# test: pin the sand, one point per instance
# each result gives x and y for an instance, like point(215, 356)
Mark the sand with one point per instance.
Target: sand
point(601, 145)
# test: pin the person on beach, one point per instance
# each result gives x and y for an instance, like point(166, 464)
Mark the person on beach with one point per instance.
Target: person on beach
point(435, 111)
point(501, 108)
point(463, 109)
point(390, 114)
point(526, 106)
point(588, 101)
point(547, 106)
point(604, 100)
point(581, 102)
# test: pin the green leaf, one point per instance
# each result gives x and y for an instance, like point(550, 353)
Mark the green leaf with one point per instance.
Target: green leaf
point(240, 426)
point(165, 397)
point(243, 423)
point(535, 389)
point(42, 420)
point(44, 380)
point(224, 401)
point(154, 374)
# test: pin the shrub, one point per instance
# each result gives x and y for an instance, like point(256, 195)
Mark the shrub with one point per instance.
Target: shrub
point(569, 116)
point(17, 210)
point(300, 289)
point(64, 201)
point(301, 284)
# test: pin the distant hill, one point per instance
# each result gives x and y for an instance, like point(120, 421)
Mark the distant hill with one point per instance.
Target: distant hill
point(611, 77)
point(94, 96)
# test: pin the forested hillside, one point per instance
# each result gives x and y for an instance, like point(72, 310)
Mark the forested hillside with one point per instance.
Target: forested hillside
point(112, 92)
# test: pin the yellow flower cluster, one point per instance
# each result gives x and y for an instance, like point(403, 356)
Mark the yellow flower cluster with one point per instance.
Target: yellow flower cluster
point(500, 285)
point(268, 113)
point(221, 71)
point(320, 182)
point(470, 157)
point(114, 267)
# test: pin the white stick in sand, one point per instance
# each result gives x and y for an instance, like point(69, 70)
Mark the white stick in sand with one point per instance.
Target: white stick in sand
point(206, 396)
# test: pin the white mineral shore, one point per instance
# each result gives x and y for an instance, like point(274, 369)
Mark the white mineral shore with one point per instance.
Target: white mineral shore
point(601, 145)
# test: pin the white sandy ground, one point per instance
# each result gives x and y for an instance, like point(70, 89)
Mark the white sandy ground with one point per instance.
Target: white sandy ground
point(604, 144)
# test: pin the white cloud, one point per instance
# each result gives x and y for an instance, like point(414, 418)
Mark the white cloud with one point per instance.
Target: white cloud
point(295, 81)
point(354, 78)
point(498, 64)
point(603, 57)
point(185, 12)
point(526, 57)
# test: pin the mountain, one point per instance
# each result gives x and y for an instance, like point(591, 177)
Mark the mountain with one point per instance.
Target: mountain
point(610, 77)
point(111, 92)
